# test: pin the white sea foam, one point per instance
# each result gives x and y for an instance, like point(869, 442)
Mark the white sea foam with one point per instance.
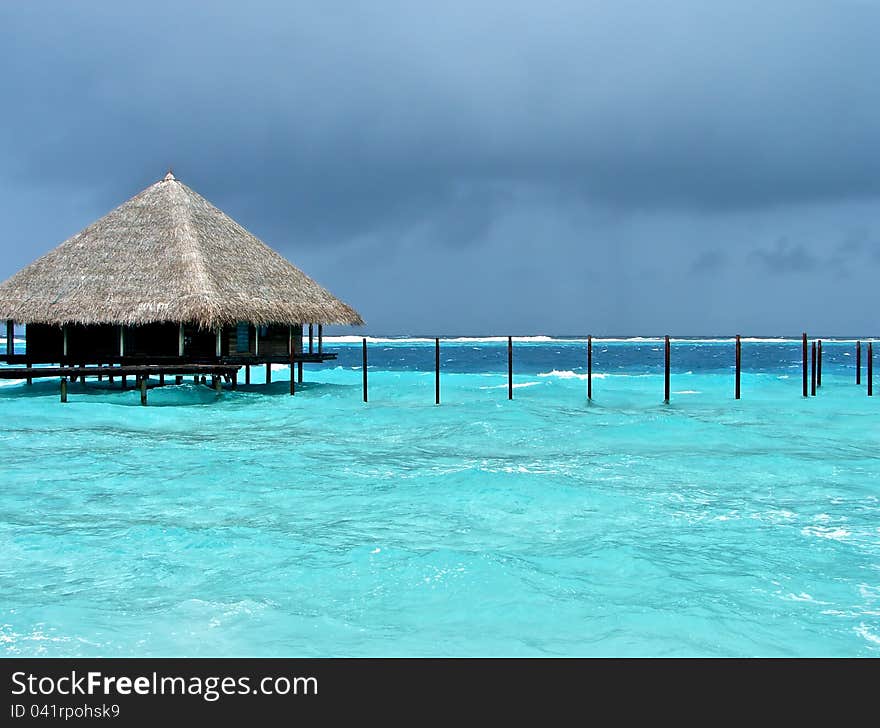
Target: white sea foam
point(568, 374)
point(515, 386)
point(835, 534)
point(864, 631)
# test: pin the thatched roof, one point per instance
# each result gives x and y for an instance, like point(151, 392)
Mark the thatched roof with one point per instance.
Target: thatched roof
point(167, 255)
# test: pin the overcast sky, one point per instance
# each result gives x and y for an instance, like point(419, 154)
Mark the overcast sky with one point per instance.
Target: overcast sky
point(684, 167)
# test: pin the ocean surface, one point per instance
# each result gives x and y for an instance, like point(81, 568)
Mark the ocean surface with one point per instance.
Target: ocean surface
point(255, 523)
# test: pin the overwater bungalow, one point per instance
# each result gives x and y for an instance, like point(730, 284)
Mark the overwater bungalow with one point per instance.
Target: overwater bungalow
point(170, 282)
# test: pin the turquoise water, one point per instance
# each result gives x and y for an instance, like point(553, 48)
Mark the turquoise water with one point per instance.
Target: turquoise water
point(255, 523)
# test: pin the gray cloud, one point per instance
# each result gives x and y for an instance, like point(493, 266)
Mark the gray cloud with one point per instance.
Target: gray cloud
point(473, 145)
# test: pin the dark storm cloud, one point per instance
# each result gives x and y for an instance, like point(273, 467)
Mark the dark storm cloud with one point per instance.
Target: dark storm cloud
point(413, 140)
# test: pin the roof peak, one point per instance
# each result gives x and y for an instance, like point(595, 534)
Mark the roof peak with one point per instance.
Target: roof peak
point(170, 176)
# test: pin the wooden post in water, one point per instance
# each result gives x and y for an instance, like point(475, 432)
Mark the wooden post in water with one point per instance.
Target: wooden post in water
point(124, 382)
point(29, 379)
point(804, 356)
point(819, 367)
point(590, 368)
point(268, 373)
point(870, 371)
point(320, 338)
point(144, 391)
point(666, 380)
point(10, 338)
point(858, 362)
point(299, 372)
point(311, 338)
point(291, 351)
point(365, 370)
point(235, 379)
point(64, 389)
point(509, 367)
point(738, 365)
point(247, 373)
point(161, 380)
point(437, 370)
point(813, 371)
point(178, 379)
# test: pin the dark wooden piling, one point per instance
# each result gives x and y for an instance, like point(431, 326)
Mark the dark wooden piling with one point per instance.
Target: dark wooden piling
point(858, 362)
point(30, 380)
point(813, 370)
point(247, 373)
point(311, 338)
point(436, 371)
point(268, 373)
point(666, 378)
point(320, 338)
point(234, 383)
point(590, 368)
point(178, 379)
point(738, 365)
point(299, 372)
point(870, 370)
point(64, 389)
point(196, 379)
point(292, 379)
point(805, 369)
point(509, 367)
point(10, 338)
point(819, 365)
point(161, 380)
point(143, 391)
point(365, 370)
point(124, 382)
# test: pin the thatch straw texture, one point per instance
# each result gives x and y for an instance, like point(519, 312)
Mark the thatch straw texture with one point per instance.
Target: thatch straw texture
point(167, 255)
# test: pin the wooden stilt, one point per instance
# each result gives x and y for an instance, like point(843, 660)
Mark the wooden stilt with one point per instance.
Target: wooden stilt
point(320, 338)
point(143, 391)
point(196, 379)
point(124, 381)
point(234, 382)
point(805, 368)
point(870, 371)
point(161, 380)
point(64, 389)
point(509, 367)
point(311, 338)
point(292, 379)
point(666, 378)
point(819, 366)
point(178, 379)
point(299, 372)
point(436, 371)
point(100, 376)
point(247, 373)
point(365, 369)
point(29, 379)
point(268, 373)
point(858, 362)
point(738, 364)
point(590, 368)
point(10, 338)
point(813, 370)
